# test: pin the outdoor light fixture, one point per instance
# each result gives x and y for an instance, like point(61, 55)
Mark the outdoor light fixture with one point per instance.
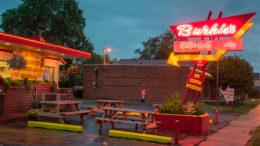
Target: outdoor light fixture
point(108, 50)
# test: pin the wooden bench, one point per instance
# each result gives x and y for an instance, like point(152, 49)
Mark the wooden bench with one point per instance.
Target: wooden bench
point(146, 125)
point(76, 112)
point(146, 119)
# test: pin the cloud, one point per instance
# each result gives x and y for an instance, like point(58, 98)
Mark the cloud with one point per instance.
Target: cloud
point(125, 24)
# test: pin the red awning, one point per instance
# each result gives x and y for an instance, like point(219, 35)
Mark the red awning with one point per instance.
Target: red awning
point(42, 45)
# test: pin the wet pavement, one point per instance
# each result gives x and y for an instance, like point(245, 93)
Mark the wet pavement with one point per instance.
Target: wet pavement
point(17, 132)
point(237, 132)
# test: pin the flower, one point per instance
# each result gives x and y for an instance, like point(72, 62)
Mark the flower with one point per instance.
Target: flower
point(33, 113)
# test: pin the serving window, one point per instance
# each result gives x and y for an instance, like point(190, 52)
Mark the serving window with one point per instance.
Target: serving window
point(49, 73)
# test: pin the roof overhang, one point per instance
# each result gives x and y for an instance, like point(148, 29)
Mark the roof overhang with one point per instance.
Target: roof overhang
point(13, 42)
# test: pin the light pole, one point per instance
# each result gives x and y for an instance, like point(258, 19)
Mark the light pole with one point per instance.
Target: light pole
point(108, 50)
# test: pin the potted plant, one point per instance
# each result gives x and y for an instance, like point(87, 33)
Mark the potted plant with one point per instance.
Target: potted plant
point(17, 62)
point(191, 119)
point(32, 114)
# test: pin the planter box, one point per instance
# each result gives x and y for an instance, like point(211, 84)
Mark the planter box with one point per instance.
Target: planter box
point(44, 86)
point(191, 124)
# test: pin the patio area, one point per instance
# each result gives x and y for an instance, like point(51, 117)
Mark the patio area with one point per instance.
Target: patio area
point(16, 132)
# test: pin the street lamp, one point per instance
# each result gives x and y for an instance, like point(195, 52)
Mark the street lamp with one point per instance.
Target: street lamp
point(108, 50)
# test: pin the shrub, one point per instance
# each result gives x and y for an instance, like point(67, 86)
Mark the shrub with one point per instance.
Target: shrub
point(1, 80)
point(36, 104)
point(174, 106)
point(53, 85)
point(78, 93)
point(254, 93)
point(6, 84)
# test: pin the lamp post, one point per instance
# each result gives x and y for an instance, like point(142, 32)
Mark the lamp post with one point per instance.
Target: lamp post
point(108, 50)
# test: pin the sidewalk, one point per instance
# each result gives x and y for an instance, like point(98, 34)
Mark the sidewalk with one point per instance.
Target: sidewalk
point(237, 132)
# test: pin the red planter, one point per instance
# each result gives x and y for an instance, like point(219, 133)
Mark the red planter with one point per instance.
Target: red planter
point(43, 86)
point(196, 125)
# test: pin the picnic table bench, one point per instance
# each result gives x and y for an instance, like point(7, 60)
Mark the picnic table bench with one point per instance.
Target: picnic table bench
point(146, 120)
point(62, 109)
point(106, 103)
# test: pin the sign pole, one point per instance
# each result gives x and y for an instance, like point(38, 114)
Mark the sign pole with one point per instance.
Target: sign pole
point(193, 70)
point(217, 94)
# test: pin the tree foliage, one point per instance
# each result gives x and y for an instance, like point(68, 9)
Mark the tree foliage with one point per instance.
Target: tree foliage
point(234, 72)
point(58, 21)
point(158, 47)
point(98, 59)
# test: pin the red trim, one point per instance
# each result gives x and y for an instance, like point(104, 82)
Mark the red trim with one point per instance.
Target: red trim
point(63, 61)
point(58, 59)
point(47, 46)
point(4, 50)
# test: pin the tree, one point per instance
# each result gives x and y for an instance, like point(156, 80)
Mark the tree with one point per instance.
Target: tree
point(57, 21)
point(98, 59)
point(234, 72)
point(158, 47)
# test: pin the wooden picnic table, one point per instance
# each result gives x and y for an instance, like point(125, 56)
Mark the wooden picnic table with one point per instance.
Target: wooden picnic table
point(146, 119)
point(62, 109)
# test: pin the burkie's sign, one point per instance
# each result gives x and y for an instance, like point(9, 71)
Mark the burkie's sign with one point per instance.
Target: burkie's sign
point(222, 27)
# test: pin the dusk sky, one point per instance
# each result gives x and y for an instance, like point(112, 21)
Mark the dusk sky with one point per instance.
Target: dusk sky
point(124, 24)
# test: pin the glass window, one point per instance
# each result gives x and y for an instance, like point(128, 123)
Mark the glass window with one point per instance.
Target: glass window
point(48, 73)
point(5, 72)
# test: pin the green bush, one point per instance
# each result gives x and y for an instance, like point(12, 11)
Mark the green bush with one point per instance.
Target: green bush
point(254, 93)
point(8, 81)
point(78, 93)
point(6, 84)
point(53, 85)
point(174, 106)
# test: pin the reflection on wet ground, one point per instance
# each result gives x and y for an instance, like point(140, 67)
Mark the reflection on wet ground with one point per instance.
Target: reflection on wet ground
point(17, 132)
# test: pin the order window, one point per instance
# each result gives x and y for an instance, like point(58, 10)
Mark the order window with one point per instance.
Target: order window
point(5, 71)
point(48, 73)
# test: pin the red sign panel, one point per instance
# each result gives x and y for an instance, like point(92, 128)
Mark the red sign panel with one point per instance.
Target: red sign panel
point(222, 27)
point(143, 92)
point(201, 64)
point(195, 81)
point(208, 45)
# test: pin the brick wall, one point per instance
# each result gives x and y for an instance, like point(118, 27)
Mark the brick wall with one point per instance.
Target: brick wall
point(19, 100)
point(124, 82)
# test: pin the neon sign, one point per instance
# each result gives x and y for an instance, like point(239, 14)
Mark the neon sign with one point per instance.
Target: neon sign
point(222, 27)
point(208, 45)
point(174, 59)
point(188, 30)
point(234, 27)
